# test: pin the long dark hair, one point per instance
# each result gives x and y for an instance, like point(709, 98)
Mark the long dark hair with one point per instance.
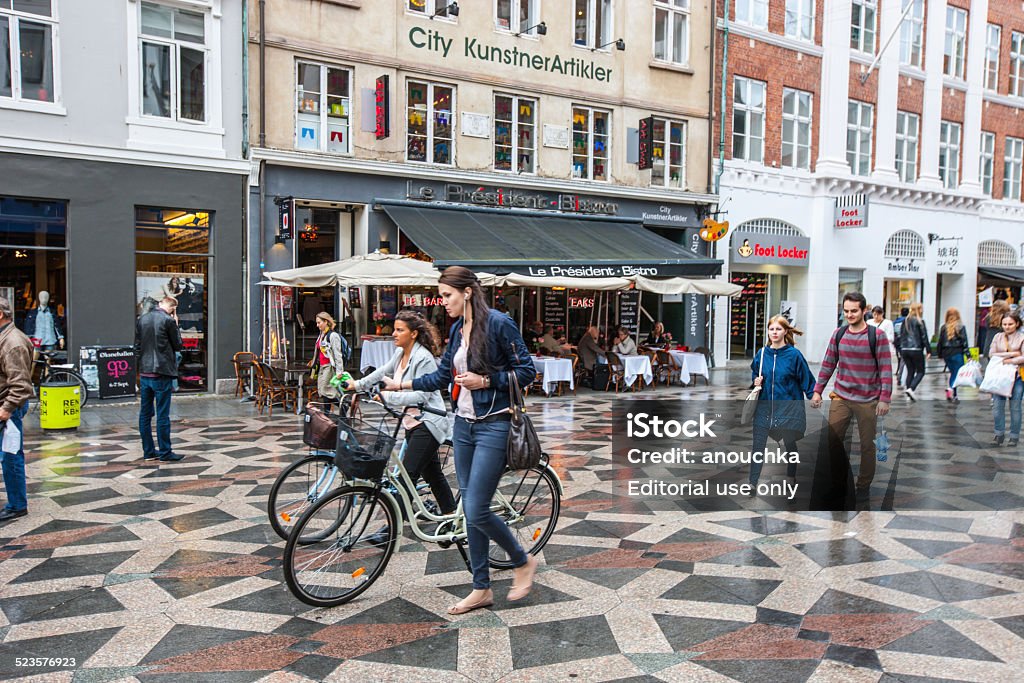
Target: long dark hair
point(426, 333)
point(478, 357)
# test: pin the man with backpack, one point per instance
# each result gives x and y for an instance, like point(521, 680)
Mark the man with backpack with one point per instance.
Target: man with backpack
point(897, 326)
point(860, 357)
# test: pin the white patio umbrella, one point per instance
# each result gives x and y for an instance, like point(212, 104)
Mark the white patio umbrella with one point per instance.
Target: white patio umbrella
point(364, 269)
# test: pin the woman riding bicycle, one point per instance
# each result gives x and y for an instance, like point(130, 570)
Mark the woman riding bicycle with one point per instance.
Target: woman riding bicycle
point(484, 345)
point(418, 343)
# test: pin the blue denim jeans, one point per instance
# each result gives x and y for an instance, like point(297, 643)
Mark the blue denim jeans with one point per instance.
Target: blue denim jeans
point(760, 443)
point(953, 364)
point(481, 452)
point(14, 467)
point(999, 406)
point(155, 390)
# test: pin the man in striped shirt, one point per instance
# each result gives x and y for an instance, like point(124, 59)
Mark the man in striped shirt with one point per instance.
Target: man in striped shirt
point(863, 386)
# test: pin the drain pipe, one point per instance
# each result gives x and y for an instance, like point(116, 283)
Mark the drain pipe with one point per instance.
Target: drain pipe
point(245, 80)
point(725, 67)
point(263, 77)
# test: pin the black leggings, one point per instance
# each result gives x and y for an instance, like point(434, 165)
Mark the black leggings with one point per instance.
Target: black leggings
point(421, 459)
point(914, 361)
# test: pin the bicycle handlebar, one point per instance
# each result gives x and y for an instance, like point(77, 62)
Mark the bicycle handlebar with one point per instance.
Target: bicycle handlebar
point(376, 393)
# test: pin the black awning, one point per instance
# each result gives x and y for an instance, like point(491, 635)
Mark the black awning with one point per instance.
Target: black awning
point(1003, 274)
point(501, 242)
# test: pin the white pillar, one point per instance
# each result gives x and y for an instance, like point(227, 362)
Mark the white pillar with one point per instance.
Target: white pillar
point(931, 119)
point(835, 81)
point(970, 146)
point(888, 88)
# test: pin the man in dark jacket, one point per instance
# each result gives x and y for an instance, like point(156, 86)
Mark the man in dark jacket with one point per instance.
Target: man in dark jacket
point(157, 339)
point(15, 390)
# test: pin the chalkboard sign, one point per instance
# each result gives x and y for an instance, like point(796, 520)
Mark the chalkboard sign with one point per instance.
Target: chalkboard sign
point(555, 308)
point(629, 311)
point(116, 370)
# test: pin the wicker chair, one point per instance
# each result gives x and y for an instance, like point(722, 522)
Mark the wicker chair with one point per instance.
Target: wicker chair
point(243, 362)
point(703, 350)
point(616, 371)
point(668, 369)
point(274, 390)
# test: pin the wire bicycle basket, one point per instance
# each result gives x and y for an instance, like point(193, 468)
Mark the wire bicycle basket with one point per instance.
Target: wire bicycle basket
point(363, 450)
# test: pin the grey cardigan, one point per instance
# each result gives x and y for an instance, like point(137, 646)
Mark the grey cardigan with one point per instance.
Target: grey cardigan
point(421, 362)
point(333, 352)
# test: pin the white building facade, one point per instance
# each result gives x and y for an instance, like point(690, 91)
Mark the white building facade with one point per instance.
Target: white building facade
point(885, 160)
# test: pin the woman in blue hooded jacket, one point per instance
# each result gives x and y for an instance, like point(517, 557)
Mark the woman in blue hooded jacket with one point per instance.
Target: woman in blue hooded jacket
point(785, 380)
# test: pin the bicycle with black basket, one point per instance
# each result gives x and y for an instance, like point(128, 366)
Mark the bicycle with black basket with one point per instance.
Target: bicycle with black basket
point(345, 539)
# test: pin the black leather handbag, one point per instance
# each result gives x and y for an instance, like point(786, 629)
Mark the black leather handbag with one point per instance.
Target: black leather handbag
point(523, 445)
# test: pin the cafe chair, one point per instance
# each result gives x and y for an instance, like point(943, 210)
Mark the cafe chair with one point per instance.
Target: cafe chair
point(706, 352)
point(652, 356)
point(274, 390)
point(243, 362)
point(616, 371)
point(576, 374)
point(668, 369)
point(538, 384)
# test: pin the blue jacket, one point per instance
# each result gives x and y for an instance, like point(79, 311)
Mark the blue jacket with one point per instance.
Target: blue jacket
point(507, 351)
point(787, 381)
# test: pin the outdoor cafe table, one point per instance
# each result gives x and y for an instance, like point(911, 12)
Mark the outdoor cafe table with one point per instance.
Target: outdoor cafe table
point(375, 353)
point(690, 364)
point(634, 366)
point(554, 370)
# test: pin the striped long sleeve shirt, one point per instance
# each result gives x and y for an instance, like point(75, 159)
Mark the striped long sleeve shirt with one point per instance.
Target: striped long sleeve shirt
point(858, 377)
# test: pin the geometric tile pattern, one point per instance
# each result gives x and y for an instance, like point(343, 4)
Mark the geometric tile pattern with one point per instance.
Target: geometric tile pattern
point(169, 572)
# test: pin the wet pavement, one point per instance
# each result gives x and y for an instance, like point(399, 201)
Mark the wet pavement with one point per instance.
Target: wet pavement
point(129, 570)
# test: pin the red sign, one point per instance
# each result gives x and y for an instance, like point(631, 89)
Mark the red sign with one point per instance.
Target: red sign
point(850, 218)
point(580, 302)
point(646, 159)
point(382, 107)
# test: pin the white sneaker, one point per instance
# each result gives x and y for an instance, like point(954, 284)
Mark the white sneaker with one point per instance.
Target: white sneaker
point(910, 394)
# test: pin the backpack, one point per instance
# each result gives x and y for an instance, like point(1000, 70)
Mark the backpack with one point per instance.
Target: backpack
point(346, 350)
point(872, 341)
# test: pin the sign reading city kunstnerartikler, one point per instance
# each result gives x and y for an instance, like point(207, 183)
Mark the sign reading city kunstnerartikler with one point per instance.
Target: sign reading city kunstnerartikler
point(472, 48)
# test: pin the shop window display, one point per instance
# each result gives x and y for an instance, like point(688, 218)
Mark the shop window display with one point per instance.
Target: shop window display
point(173, 259)
point(33, 266)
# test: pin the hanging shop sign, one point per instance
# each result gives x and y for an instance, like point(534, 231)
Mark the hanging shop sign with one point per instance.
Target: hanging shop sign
point(509, 198)
point(286, 218)
point(482, 55)
point(713, 230)
point(696, 305)
point(382, 107)
point(779, 250)
point(646, 132)
point(851, 211)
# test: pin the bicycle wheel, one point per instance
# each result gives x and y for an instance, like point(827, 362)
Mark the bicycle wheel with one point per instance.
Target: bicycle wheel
point(70, 377)
point(299, 485)
point(325, 570)
point(529, 501)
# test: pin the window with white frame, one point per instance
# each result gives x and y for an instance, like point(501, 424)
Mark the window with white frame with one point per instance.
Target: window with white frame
point(796, 129)
point(912, 33)
point(431, 123)
point(592, 22)
point(907, 126)
point(800, 19)
point(515, 134)
point(173, 51)
point(516, 16)
point(28, 30)
point(863, 20)
point(668, 154)
point(323, 108)
point(748, 103)
point(949, 154)
point(986, 164)
point(752, 12)
point(430, 8)
point(590, 143)
point(672, 31)
point(992, 36)
point(858, 137)
point(1013, 161)
point(1017, 64)
point(954, 54)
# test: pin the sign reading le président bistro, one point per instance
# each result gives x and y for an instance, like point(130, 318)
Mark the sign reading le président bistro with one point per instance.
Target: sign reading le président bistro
point(777, 250)
point(578, 67)
point(508, 198)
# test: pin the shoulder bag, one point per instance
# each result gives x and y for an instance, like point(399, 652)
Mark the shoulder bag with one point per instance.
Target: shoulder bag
point(750, 404)
point(523, 445)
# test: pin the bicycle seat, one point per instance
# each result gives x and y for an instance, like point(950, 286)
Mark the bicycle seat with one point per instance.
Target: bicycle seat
point(66, 366)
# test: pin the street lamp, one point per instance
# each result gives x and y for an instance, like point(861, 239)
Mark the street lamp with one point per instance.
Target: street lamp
point(620, 44)
point(542, 29)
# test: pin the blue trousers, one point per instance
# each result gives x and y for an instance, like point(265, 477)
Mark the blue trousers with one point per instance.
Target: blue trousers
point(999, 408)
point(760, 442)
point(14, 466)
point(155, 390)
point(481, 452)
point(953, 364)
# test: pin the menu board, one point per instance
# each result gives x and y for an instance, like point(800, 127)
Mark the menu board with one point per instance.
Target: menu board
point(629, 311)
point(555, 307)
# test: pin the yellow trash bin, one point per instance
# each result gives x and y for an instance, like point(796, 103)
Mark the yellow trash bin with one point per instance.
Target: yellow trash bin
point(59, 405)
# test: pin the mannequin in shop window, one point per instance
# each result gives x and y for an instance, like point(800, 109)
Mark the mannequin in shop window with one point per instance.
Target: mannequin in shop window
point(43, 324)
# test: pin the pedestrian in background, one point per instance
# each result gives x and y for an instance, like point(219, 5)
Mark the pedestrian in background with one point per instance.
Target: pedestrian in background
point(1006, 345)
point(951, 348)
point(999, 308)
point(916, 347)
point(879, 321)
point(897, 328)
point(785, 380)
point(16, 352)
point(157, 340)
point(328, 360)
